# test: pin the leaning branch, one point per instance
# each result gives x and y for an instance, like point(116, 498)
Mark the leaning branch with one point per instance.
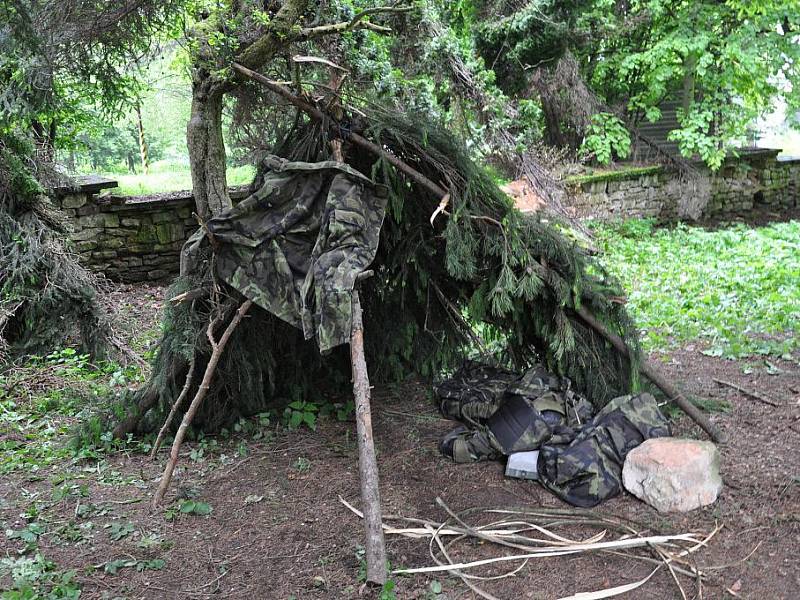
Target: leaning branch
point(317, 114)
point(218, 347)
point(649, 371)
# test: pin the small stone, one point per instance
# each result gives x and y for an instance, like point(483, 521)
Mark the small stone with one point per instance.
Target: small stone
point(673, 475)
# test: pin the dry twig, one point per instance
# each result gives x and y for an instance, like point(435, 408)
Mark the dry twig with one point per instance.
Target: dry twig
point(205, 384)
point(746, 392)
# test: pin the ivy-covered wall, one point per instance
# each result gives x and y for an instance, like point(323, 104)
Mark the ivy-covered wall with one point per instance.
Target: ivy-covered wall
point(756, 179)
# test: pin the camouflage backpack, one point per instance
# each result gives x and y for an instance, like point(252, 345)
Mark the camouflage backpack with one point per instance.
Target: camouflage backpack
point(588, 469)
point(507, 413)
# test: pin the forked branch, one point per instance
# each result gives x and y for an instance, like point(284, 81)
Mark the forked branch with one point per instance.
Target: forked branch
point(217, 348)
point(357, 22)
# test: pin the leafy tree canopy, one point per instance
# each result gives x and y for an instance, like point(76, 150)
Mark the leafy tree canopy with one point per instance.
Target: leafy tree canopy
point(727, 60)
point(60, 58)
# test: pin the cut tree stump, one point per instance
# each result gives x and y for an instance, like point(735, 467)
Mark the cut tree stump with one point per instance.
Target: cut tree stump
point(367, 463)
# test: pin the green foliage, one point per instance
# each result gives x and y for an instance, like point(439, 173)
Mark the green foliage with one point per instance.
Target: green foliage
point(44, 292)
point(193, 507)
point(113, 567)
point(605, 139)
point(58, 67)
point(735, 289)
point(119, 530)
point(37, 577)
point(733, 59)
point(538, 33)
point(299, 413)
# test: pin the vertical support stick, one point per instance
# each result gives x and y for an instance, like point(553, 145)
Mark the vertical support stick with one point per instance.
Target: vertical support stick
point(217, 348)
point(367, 463)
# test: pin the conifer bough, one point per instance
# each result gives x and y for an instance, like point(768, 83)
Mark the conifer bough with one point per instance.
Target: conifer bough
point(646, 368)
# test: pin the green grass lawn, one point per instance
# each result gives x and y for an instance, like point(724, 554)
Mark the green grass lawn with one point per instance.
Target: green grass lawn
point(736, 289)
point(170, 178)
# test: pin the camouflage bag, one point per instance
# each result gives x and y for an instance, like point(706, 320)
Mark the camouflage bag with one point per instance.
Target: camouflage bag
point(473, 393)
point(296, 245)
point(507, 413)
point(588, 469)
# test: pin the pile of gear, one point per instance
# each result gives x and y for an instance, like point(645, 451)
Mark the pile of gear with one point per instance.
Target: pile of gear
point(580, 453)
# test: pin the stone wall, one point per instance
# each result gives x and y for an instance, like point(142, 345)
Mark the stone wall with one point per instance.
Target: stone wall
point(129, 239)
point(757, 179)
point(139, 238)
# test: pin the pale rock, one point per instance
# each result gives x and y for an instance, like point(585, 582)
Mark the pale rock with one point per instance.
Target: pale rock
point(672, 474)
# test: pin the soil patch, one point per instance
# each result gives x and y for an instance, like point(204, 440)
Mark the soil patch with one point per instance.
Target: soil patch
point(278, 530)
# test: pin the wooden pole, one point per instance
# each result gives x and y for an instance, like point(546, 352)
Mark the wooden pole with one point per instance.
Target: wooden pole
point(648, 370)
point(217, 348)
point(142, 143)
point(367, 463)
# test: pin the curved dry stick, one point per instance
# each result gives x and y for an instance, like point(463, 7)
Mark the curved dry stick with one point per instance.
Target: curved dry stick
point(175, 405)
point(202, 390)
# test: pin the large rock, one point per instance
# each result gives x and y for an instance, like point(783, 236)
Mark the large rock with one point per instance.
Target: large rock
point(673, 475)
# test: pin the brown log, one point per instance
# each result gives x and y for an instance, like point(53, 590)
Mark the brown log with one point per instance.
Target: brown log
point(649, 370)
point(367, 463)
point(217, 348)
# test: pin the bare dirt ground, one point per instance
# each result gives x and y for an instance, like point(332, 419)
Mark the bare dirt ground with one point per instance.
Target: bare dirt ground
point(278, 530)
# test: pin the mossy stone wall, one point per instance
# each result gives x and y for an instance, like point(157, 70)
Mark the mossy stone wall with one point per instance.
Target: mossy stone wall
point(756, 179)
point(132, 239)
point(129, 239)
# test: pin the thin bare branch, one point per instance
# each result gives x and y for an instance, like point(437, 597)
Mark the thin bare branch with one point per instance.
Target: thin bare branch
point(357, 22)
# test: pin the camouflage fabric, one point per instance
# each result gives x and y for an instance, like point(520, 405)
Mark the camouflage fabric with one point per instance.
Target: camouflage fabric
point(296, 245)
point(508, 413)
point(588, 469)
point(581, 455)
point(473, 393)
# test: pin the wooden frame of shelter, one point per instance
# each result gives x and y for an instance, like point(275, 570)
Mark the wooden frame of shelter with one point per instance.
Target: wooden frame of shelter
point(368, 468)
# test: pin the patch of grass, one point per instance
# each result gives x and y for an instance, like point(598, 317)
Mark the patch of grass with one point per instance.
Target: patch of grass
point(170, 177)
point(43, 400)
point(37, 577)
point(737, 289)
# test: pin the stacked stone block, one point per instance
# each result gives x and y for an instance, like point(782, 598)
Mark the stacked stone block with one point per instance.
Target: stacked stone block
point(132, 239)
point(756, 179)
point(129, 239)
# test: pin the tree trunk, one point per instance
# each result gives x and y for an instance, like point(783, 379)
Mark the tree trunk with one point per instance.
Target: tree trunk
point(206, 146)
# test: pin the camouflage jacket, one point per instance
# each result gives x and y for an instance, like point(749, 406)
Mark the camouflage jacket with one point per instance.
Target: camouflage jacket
point(295, 246)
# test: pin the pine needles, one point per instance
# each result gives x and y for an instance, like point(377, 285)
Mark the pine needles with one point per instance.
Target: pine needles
point(45, 295)
point(482, 264)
